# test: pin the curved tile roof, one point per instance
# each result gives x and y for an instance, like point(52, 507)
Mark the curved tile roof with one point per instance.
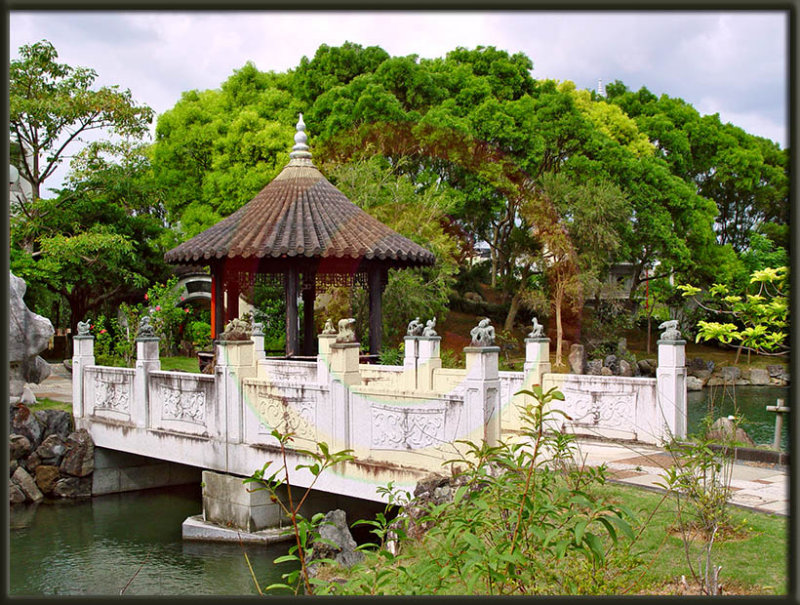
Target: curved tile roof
point(300, 214)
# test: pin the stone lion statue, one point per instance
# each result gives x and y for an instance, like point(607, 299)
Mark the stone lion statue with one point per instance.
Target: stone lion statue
point(671, 331)
point(429, 328)
point(538, 329)
point(482, 334)
point(329, 329)
point(415, 328)
point(347, 331)
point(83, 327)
point(146, 330)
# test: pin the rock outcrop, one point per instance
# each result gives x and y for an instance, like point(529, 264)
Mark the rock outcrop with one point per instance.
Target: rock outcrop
point(46, 457)
point(334, 531)
point(28, 335)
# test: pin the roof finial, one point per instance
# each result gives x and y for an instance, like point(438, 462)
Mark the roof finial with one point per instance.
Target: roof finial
point(300, 149)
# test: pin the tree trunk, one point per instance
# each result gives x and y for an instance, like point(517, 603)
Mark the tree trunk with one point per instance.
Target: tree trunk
point(559, 330)
point(513, 310)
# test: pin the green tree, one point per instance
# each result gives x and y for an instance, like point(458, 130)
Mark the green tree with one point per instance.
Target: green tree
point(51, 105)
point(390, 196)
point(744, 175)
point(106, 243)
point(217, 148)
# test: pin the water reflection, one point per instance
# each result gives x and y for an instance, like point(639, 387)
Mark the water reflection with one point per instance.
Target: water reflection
point(750, 402)
point(129, 542)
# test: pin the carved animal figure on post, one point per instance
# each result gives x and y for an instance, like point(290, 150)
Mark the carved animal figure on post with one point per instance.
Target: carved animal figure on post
point(329, 329)
point(145, 329)
point(415, 328)
point(83, 328)
point(429, 328)
point(671, 331)
point(482, 334)
point(236, 329)
point(346, 330)
point(538, 330)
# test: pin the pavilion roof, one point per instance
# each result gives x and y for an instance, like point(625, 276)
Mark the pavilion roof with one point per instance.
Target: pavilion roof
point(298, 215)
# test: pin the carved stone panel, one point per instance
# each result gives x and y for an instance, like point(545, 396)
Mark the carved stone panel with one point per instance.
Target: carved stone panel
point(601, 409)
point(112, 392)
point(396, 428)
point(188, 406)
point(291, 411)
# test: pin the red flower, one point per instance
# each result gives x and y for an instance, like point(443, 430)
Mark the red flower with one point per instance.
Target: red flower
point(187, 309)
point(158, 307)
point(182, 299)
point(103, 331)
point(146, 297)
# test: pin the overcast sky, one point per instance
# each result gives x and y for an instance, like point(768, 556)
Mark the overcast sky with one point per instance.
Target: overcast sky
point(731, 63)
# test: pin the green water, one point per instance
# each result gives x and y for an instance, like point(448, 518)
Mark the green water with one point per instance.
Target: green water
point(102, 545)
point(749, 402)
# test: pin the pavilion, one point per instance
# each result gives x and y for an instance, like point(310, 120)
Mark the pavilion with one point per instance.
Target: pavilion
point(300, 232)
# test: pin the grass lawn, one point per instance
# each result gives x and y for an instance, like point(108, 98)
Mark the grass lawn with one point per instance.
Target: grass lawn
point(47, 404)
point(186, 364)
point(753, 562)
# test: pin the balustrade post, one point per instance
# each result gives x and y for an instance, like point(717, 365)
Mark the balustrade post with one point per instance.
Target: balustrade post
point(428, 359)
point(147, 360)
point(235, 361)
point(257, 337)
point(324, 357)
point(410, 356)
point(537, 360)
point(671, 387)
point(344, 373)
point(82, 356)
point(482, 393)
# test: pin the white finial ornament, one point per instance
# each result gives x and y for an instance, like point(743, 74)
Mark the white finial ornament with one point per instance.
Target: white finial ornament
point(300, 149)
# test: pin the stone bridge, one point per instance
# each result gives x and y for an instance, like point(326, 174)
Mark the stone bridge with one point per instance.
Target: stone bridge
point(401, 422)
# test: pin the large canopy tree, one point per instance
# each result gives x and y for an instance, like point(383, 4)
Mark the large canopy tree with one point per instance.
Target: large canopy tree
point(479, 123)
point(51, 105)
point(107, 244)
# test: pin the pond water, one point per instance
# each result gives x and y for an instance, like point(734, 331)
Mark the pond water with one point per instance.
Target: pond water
point(129, 542)
point(750, 402)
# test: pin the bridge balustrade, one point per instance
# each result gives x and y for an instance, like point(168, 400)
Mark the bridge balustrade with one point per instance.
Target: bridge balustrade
point(401, 422)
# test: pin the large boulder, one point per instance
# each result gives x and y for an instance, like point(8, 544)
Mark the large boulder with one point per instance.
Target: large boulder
point(646, 368)
point(28, 335)
point(24, 422)
point(334, 531)
point(52, 450)
point(722, 430)
point(577, 359)
point(775, 370)
point(730, 374)
point(612, 363)
point(693, 383)
point(625, 368)
point(27, 485)
point(73, 487)
point(79, 456)
point(57, 422)
point(15, 495)
point(19, 446)
point(759, 377)
point(594, 367)
point(46, 477)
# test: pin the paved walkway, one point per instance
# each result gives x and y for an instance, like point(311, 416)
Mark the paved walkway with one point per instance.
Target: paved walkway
point(757, 486)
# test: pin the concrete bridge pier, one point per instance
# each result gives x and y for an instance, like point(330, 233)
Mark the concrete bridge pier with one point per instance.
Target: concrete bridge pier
point(234, 510)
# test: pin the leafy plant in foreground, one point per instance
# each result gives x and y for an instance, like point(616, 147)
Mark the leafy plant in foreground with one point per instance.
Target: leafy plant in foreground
point(524, 519)
point(305, 531)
